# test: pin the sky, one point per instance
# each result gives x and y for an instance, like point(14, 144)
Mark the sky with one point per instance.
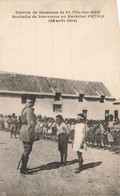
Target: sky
point(87, 50)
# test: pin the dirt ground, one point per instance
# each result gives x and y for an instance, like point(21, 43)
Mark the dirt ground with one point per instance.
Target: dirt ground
point(101, 174)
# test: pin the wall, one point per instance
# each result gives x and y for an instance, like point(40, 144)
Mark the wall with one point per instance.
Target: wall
point(10, 104)
point(95, 109)
point(70, 107)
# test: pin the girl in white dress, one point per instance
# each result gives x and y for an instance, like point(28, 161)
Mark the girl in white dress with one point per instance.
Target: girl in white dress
point(79, 143)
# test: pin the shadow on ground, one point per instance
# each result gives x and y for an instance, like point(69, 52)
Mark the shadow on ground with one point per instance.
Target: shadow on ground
point(91, 165)
point(56, 165)
point(49, 166)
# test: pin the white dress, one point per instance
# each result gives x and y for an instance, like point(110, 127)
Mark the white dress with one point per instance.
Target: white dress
point(79, 137)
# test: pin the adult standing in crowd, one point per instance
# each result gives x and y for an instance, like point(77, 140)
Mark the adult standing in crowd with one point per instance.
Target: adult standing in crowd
point(13, 125)
point(2, 125)
point(63, 134)
point(27, 132)
point(6, 123)
point(79, 143)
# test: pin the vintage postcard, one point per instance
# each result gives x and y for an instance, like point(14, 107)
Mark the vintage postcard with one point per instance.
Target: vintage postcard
point(59, 98)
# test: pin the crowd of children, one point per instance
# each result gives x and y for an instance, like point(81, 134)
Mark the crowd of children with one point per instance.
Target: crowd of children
point(100, 133)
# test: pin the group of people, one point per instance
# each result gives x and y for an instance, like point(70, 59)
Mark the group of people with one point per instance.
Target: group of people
point(80, 132)
point(101, 134)
point(104, 135)
point(10, 123)
point(27, 135)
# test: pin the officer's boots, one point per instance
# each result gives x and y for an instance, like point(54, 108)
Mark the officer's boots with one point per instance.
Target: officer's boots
point(23, 169)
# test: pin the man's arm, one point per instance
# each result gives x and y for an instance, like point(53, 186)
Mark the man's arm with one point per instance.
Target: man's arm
point(30, 119)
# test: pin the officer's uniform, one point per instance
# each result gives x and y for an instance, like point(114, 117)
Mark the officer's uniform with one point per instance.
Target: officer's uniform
point(27, 133)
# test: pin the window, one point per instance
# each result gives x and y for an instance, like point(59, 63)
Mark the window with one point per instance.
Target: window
point(81, 96)
point(102, 99)
point(57, 96)
point(85, 113)
point(23, 99)
point(106, 114)
point(57, 108)
point(115, 114)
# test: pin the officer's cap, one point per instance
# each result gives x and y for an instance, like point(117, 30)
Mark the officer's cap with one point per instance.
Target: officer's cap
point(30, 100)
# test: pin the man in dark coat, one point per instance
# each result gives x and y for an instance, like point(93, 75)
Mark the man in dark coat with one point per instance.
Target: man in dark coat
point(27, 132)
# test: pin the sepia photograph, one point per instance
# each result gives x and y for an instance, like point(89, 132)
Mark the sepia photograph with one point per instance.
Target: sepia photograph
point(59, 98)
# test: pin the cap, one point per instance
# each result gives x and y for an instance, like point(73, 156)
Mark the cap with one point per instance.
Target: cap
point(30, 100)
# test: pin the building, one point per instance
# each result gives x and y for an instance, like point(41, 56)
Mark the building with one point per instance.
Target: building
point(116, 109)
point(54, 96)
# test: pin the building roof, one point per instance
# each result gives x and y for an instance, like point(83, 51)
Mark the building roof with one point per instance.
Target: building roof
point(39, 84)
point(117, 102)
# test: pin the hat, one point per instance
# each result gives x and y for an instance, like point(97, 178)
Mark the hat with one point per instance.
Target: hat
point(81, 116)
point(30, 100)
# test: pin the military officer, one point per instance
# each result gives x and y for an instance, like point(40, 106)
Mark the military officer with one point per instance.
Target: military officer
point(27, 132)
